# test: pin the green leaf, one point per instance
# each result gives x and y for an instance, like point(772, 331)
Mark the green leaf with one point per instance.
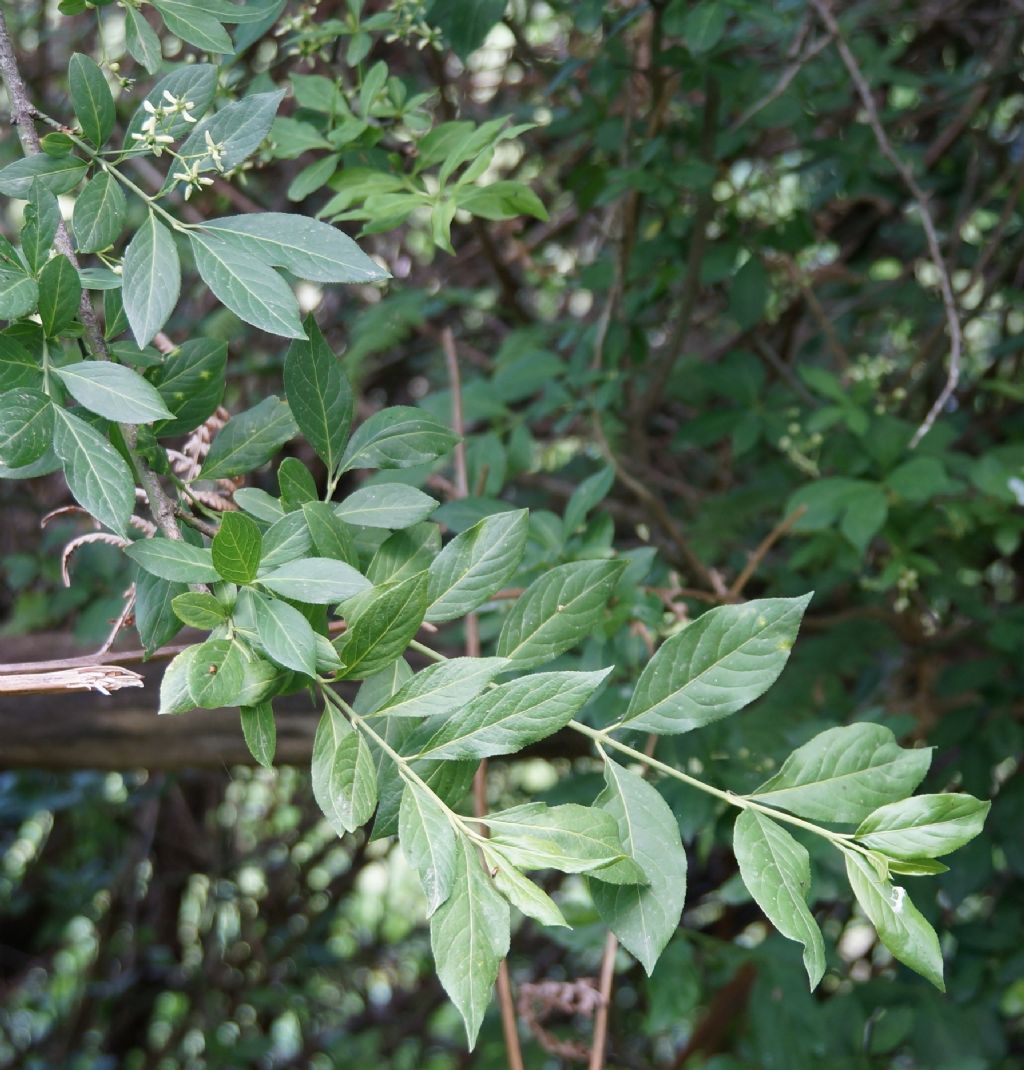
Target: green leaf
point(60, 291)
point(509, 717)
point(570, 838)
point(316, 580)
point(296, 483)
point(501, 200)
point(428, 843)
point(238, 127)
point(442, 688)
point(91, 99)
point(926, 826)
point(475, 564)
point(398, 437)
point(777, 872)
point(715, 666)
point(384, 625)
point(469, 935)
point(191, 383)
point(286, 635)
point(260, 732)
point(642, 917)
point(260, 504)
point(404, 553)
point(97, 474)
point(173, 559)
point(26, 426)
point(151, 279)
point(899, 924)
point(557, 611)
point(465, 23)
point(175, 696)
point(520, 891)
point(42, 218)
point(141, 40)
point(704, 25)
point(199, 610)
point(844, 773)
point(252, 290)
point(237, 548)
point(216, 674)
point(250, 439)
point(343, 773)
point(319, 394)
point(99, 214)
point(18, 367)
point(330, 536)
point(58, 175)
point(195, 26)
point(386, 505)
point(113, 391)
point(155, 620)
point(306, 247)
point(194, 82)
point(593, 490)
point(19, 294)
point(286, 540)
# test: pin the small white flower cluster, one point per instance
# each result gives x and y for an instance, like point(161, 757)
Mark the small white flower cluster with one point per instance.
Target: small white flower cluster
point(149, 138)
point(190, 171)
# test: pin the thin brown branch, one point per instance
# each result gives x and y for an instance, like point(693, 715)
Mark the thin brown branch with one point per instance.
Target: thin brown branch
point(773, 536)
point(607, 976)
point(927, 222)
point(509, 1020)
point(102, 678)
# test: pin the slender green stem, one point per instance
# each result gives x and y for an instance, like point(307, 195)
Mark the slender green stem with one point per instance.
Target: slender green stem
point(111, 170)
point(404, 767)
point(602, 738)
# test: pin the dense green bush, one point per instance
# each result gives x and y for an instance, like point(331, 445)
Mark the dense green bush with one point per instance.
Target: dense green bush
point(683, 311)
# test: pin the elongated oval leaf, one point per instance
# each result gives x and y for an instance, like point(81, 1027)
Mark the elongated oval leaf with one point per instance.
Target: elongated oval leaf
point(250, 439)
point(475, 564)
point(319, 394)
point(191, 383)
point(26, 426)
point(305, 247)
point(317, 580)
point(331, 537)
point(469, 935)
point(113, 391)
point(507, 718)
point(398, 437)
point(643, 917)
point(97, 474)
point(343, 773)
point(900, 925)
point(557, 611)
point(383, 626)
point(99, 214)
point(216, 674)
point(428, 842)
point(845, 773)
point(260, 731)
point(91, 98)
point(777, 872)
point(716, 665)
point(19, 294)
point(442, 688)
point(251, 289)
point(151, 279)
point(386, 505)
point(926, 826)
point(286, 635)
point(237, 548)
point(60, 290)
point(174, 559)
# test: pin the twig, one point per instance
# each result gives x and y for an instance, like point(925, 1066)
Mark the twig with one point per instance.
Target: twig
point(102, 678)
point(927, 222)
point(509, 1020)
point(763, 547)
point(691, 283)
point(597, 1048)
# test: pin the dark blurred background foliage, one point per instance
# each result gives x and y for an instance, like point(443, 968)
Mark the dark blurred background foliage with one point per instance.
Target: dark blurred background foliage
point(729, 307)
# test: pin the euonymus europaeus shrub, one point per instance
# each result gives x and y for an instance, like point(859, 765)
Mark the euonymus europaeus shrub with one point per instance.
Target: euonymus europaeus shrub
point(306, 590)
